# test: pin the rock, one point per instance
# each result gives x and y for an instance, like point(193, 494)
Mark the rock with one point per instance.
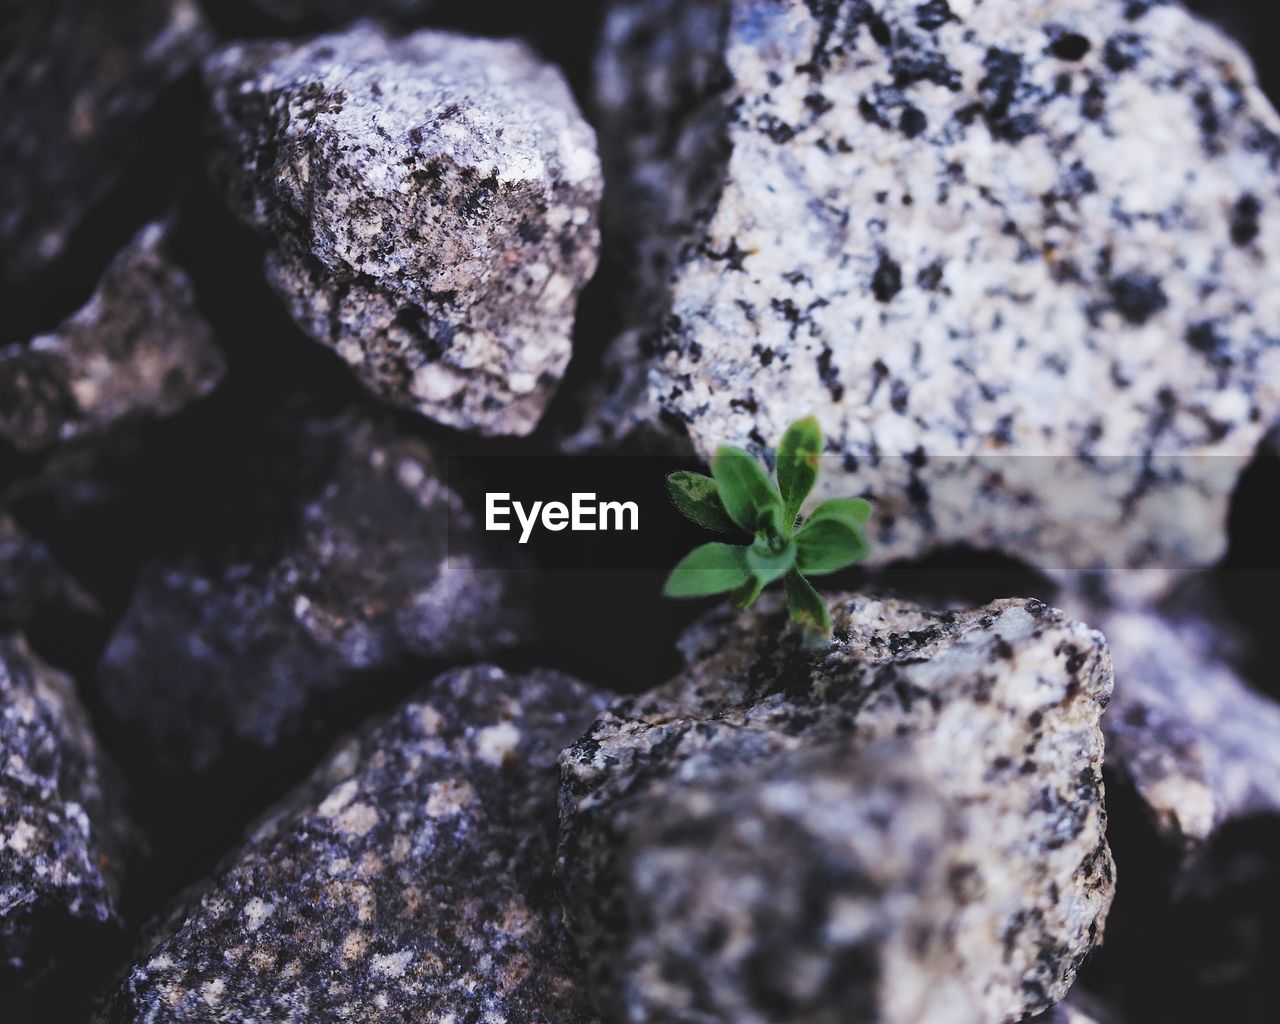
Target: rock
point(410, 878)
point(384, 563)
point(78, 77)
point(31, 581)
point(961, 235)
point(430, 209)
point(739, 844)
point(1197, 743)
point(63, 832)
point(140, 347)
point(338, 12)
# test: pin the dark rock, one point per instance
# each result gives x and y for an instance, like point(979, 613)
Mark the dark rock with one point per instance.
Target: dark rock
point(410, 878)
point(31, 581)
point(338, 12)
point(430, 209)
point(383, 563)
point(728, 854)
point(63, 832)
point(140, 347)
point(76, 78)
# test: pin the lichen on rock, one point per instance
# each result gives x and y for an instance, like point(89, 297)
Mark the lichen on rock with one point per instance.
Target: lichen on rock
point(706, 825)
point(429, 205)
point(409, 878)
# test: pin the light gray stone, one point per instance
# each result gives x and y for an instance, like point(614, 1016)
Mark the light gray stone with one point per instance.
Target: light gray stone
point(429, 204)
point(410, 878)
point(384, 563)
point(1199, 745)
point(63, 830)
point(78, 77)
point(138, 348)
point(739, 844)
point(962, 234)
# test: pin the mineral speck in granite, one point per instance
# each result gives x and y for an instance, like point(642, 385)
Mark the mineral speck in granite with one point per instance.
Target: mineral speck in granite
point(429, 204)
point(139, 347)
point(961, 234)
point(705, 824)
point(410, 878)
point(63, 829)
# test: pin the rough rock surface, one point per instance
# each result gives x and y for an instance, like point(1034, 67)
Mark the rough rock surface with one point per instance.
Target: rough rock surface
point(76, 77)
point(384, 562)
point(705, 825)
point(140, 347)
point(430, 205)
point(1198, 744)
point(410, 878)
point(960, 234)
point(63, 836)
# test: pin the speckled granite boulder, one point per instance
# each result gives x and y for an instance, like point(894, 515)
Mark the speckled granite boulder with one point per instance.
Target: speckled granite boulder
point(77, 77)
point(742, 777)
point(410, 878)
point(1198, 744)
point(960, 234)
point(384, 563)
point(63, 832)
point(140, 347)
point(430, 209)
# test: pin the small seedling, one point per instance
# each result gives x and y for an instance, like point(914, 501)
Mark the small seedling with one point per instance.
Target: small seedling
point(740, 498)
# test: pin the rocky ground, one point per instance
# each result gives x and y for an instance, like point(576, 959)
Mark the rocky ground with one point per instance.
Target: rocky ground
point(286, 736)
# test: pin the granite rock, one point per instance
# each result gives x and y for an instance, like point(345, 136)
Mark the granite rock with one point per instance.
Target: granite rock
point(1197, 743)
point(77, 77)
point(410, 878)
point(975, 899)
point(139, 347)
point(961, 234)
point(384, 562)
point(430, 209)
point(63, 831)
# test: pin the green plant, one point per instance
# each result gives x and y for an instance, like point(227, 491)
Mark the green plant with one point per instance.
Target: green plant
point(740, 498)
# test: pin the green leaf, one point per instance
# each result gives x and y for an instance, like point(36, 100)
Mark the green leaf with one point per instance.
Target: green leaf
point(806, 606)
point(854, 511)
point(798, 464)
point(768, 565)
point(698, 500)
point(745, 596)
point(747, 492)
point(709, 569)
point(828, 544)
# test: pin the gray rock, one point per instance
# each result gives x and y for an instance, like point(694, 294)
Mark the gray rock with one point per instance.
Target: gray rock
point(961, 235)
point(78, 76)
point(1197, 743)
point(63, 831)
point(384, 563)
point(139, 347)
point(430, 209)
point(410, 878)
point(738, 844)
